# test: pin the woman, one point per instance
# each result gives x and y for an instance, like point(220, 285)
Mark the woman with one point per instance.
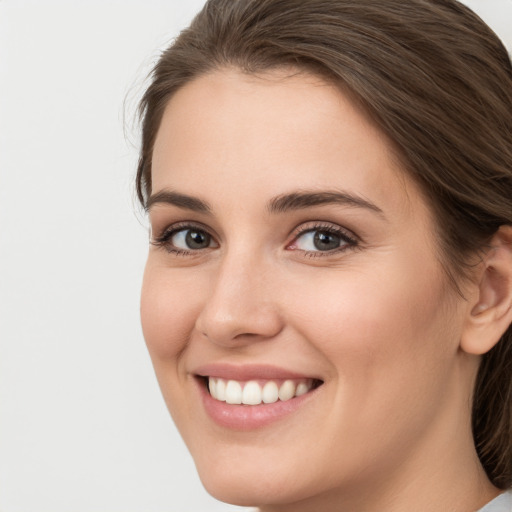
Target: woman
point(328, 294)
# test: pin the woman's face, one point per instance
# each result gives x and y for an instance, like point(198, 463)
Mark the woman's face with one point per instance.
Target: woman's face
point(291, 253)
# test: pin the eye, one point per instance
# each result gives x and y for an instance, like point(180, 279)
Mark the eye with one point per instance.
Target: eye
point(190, 239)
point(318, 241)
point(184, 239)
point(322, 239)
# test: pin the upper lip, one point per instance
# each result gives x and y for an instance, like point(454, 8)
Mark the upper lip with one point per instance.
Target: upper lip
point(247, 372)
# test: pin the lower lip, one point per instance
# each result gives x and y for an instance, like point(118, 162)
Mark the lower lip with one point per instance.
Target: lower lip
point(250, 417)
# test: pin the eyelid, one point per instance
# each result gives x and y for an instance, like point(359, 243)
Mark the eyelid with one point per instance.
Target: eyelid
point(347, 235)
point(164, 235)
point(177, 226)
point(320, 225)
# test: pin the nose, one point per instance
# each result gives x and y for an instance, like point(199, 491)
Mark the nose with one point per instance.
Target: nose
point(241, 307)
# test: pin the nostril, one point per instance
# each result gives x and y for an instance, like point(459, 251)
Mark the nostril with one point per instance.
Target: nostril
point(246, 335)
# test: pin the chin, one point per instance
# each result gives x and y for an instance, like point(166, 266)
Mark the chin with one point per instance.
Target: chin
point(255, 481)
point(248, 489)
point(241, 477)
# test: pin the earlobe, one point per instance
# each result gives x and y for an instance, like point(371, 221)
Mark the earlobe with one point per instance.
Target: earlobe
point(491, 312)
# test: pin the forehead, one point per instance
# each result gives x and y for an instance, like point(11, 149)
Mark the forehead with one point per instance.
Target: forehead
point(276, 131)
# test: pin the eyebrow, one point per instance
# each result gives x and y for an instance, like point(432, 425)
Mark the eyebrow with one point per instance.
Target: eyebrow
point(180, 200)
point(307, 199)
point(280, 204)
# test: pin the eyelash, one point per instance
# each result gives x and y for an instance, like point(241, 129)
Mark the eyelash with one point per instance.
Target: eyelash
point(345, 236)
point(351, 241)
point(163, 240)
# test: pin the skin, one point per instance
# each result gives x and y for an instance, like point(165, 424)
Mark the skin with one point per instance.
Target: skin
point(389, 429)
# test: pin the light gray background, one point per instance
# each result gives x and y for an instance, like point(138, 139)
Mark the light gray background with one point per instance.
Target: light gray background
point(82, 425)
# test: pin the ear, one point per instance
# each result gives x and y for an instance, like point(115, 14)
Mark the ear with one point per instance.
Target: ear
point(490, 310)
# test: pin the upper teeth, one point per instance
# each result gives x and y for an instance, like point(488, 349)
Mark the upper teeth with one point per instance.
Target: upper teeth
point(253, 393)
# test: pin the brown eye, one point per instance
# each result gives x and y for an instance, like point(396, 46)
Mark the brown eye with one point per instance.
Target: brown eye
point(319, 240)
point(324, 241)
point(191, 239)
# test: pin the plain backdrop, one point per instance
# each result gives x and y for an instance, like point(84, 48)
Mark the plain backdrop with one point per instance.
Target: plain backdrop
point(83, 427)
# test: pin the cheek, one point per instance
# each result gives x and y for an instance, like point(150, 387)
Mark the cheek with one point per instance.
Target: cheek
point(390, 354)
point(167, 313)
point(168, 318)
point(383, 332)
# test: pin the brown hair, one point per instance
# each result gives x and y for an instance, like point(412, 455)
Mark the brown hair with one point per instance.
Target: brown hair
point(434, 78)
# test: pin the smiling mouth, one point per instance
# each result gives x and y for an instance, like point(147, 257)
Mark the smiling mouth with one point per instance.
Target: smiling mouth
point(257, 392)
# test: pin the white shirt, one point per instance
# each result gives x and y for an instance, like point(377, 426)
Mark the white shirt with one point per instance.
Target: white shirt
point(503, 503)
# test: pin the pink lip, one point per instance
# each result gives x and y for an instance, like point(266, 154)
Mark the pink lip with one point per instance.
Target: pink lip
point(247, 372)
point(248, 417)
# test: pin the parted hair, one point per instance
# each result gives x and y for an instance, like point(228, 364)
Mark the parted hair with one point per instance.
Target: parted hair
point(434, 78)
